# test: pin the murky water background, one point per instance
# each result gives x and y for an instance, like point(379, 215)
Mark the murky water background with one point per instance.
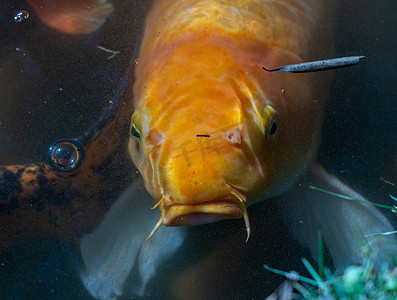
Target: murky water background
point(55, 86)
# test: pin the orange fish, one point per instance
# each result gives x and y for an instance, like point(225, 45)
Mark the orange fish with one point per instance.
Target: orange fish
point(72, 17)
point(213, 133)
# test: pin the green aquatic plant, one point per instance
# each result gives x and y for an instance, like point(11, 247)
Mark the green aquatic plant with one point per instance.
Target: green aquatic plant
point(392, 208)
point(358, 282)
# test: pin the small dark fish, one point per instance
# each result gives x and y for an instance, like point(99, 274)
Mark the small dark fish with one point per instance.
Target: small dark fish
point(319, 65)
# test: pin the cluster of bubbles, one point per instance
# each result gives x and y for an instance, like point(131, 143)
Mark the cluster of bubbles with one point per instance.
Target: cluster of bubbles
point(21, 15)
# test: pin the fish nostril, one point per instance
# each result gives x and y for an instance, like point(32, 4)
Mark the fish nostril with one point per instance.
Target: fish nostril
point(234, 136)
point(156, 137)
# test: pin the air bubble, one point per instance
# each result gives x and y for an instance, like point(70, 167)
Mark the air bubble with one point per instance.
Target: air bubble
point(22, 15)
point(65, 155)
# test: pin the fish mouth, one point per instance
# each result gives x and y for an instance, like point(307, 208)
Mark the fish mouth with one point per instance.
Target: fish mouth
point(202, 213)
point(177, 214)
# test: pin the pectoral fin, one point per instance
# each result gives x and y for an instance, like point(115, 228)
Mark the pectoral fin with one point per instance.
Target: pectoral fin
point(345, 223)
point(117, 246)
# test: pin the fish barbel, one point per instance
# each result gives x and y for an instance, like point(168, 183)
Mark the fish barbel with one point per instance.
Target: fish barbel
point(213, 132)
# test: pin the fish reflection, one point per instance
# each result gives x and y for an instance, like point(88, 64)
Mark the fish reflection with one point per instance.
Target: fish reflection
point(71, 17)
point(200, 73)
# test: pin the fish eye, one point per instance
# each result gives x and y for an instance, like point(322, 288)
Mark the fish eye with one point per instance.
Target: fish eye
point(273, 128)
point(135, 132)
point(269, 121)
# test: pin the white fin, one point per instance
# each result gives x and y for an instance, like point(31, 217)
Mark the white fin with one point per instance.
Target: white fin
point(344, 222)
point(116, 246)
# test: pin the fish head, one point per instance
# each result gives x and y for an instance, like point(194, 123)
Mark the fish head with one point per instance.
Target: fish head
point(203, 155)
point(212, 134)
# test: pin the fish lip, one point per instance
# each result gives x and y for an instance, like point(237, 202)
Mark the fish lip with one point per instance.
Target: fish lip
point(202, 213)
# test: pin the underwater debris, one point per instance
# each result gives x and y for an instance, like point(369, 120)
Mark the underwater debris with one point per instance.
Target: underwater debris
point(319, 65)
point(114, 53)
point(387, 181)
